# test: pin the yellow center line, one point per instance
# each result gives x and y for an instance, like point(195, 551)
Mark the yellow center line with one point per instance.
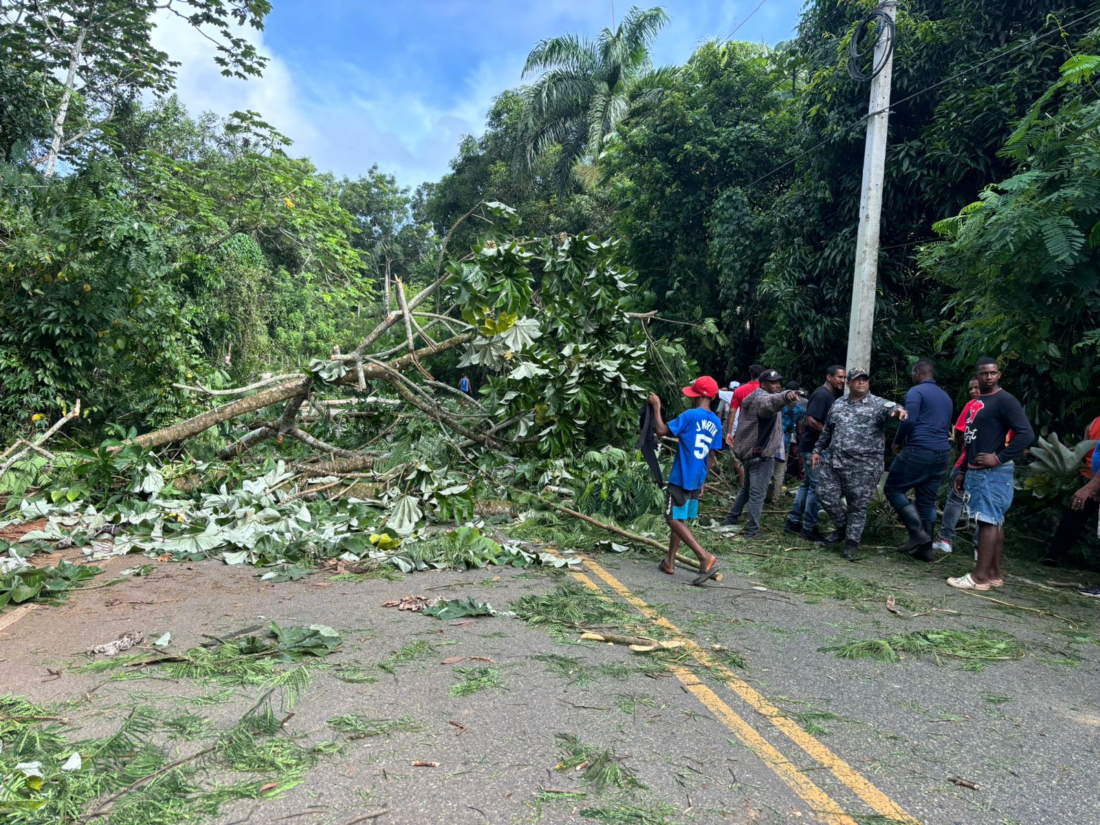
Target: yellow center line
point(820, 802)
point(876, 799)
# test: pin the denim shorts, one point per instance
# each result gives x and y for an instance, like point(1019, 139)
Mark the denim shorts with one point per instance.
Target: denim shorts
point(990, 493)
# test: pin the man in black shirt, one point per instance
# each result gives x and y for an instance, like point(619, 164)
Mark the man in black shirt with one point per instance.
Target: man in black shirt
point(803, 516)
point(987, 473)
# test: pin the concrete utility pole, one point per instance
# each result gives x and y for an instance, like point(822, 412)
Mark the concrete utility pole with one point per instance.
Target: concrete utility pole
point(865, 284)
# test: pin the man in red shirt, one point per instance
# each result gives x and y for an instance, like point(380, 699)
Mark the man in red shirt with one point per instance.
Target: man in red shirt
point(1076, 517)
point(952, 510)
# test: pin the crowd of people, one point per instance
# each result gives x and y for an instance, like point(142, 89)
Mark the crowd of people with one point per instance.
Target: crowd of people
point(834, 443)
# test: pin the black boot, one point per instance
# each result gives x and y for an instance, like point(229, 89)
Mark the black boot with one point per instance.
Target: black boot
point(850, 548)
point(812, 535)
point(924, 552)
point(917, 535)
point(835, 537)
point(793, 526)
point(730, 520)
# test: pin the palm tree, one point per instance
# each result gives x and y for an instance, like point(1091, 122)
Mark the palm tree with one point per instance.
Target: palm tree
point(587, 89)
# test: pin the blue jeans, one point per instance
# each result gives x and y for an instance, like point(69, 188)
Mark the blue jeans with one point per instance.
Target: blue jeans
point(806, 509)
point(919, 470)
point(952, 510)
point(991, 491)
point(758, 472)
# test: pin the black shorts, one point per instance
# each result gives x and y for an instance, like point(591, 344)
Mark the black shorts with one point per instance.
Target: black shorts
point(681, 504)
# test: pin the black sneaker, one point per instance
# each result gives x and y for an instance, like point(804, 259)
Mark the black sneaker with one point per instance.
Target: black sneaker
point(730, 520)
point(812, 535)
point(1092, 592)
point(793, 526)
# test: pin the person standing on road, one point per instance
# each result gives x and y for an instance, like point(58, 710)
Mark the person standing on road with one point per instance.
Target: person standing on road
point(759, 439)
point(853, 439)
point(734, 415)
point(739, 396)
point(793, 417)
point(725, 398)
point(988, 473)
point(923, 449)
point(952, 510)
point(699, 432)
point(804, 514)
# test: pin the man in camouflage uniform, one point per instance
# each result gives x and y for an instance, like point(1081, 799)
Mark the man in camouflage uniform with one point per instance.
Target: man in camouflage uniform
point(853, 437)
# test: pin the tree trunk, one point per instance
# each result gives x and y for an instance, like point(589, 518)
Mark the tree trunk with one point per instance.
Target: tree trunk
point(206, 420)
point(63, 107)
point(387, 285)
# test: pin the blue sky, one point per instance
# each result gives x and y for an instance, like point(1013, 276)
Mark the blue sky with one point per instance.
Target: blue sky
point(358, 82)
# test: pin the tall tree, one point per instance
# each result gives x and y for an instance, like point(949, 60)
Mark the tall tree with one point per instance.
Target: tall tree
point(1025, 259)
point(88, 56)
point(391, 241)
point(483, 170)
point(588, 88)
point(682, 178)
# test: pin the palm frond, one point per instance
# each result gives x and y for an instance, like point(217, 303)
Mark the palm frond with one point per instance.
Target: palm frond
point(568, 51)
point(556, 88)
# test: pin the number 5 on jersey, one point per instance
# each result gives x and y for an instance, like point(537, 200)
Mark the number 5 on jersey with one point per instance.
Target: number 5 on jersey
point(702, 445)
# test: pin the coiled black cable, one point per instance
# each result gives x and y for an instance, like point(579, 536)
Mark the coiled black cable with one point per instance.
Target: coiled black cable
point(857, 50)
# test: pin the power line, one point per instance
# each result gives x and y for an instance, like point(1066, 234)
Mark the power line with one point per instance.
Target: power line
point(841, 7)
point(935, 85)
point(855, 55)
point(746, 20)
point(844, 129)
point(962, 72)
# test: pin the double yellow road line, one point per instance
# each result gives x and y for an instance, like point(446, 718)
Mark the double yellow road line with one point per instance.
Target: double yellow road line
point(826, 808)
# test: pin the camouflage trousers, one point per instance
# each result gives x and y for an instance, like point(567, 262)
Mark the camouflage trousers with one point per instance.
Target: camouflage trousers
point(856, 484)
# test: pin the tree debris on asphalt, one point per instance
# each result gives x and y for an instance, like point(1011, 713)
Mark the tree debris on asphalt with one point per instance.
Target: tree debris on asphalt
point(123, 642)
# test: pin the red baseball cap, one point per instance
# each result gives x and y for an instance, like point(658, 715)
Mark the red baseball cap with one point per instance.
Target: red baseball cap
point(705, 387)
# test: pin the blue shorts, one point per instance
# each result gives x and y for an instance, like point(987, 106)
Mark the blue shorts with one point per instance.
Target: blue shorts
point(681, 504)
point(990, 493)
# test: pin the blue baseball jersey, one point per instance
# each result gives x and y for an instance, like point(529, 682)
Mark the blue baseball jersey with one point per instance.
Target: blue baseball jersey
point(699, 431)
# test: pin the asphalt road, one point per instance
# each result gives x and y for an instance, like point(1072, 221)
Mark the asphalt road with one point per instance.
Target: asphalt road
point(797, 734)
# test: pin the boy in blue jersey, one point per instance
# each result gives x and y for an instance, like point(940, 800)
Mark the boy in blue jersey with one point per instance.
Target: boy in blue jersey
point(700, 433)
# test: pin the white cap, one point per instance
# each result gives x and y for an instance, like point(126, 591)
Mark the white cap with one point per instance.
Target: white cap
point(734, 384)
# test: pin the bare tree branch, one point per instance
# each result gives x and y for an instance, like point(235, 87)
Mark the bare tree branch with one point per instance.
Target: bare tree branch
point(38, 442)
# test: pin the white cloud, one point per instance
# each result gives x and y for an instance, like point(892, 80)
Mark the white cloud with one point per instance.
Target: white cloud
point(346, 112)
point(339, 116)
point(202, 88)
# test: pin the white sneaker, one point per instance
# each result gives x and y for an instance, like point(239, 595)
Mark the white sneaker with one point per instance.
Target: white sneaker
point(942, 546)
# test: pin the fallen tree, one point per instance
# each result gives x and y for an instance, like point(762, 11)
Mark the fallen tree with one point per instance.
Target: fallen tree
point(550, 319)
point(551, 327)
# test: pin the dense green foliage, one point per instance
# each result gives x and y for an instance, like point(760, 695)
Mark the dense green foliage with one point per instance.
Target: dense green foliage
point(587, 90)
point(170, 249)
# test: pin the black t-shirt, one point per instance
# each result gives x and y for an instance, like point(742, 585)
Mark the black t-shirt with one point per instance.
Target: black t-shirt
point(988, 422)
point(821, 401)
